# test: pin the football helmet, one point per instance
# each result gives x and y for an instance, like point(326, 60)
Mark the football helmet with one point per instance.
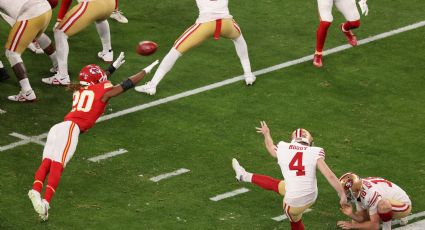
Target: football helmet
point(301, 135)
point(352, 185)
point(92, 74)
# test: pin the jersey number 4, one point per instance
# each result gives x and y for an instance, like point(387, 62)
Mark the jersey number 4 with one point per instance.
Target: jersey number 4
point(82, 101)
point(297, 164)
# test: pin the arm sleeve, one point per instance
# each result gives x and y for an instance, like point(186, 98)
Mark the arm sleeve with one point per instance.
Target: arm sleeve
point(65, 4)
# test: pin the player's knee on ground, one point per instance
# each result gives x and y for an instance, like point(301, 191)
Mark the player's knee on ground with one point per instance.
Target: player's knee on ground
point(13, 57)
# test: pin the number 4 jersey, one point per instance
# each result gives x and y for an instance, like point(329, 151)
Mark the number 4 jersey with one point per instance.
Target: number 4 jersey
point(87, 105)
point(298, 164)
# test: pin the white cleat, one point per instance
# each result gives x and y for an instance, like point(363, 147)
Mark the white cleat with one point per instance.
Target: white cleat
point(27, 96)
point(118, 15)
point(106, 56)
point(35, 47)
point(249, 79)
point(54, 69)
point(148, 88)
point(57, 79)
point(36, 201)
point(404, 221)
point(45, 214)
point(239, 170)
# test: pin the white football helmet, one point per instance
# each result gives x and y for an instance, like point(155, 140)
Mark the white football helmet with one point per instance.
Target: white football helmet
point(301, 135)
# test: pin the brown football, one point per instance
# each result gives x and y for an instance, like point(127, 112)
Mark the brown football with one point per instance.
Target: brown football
point(146, 48)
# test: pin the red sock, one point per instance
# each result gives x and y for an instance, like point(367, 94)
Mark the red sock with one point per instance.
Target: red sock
point(297, 225)
point(56, 170)
point(266, 182)
point(40, 175)
point(348, 25)
point(322, 31)
point(386, 216)
point(116, 4)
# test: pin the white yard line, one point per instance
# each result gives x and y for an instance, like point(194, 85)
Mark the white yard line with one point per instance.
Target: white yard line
point(229, 194)
point(284, 217)
point(25, 140)
point(239, 78)
point(107, 155)
point(170, 174)
point(2, 111)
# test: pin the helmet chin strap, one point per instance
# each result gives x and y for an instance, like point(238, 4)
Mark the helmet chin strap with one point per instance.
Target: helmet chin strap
point(354, 198)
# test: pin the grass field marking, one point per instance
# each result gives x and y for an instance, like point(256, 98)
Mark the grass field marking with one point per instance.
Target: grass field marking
point(24, 140)
point(239, 78)
point(168, 175)
point(284, 217)
point(258, 72)
point(410, 217)
point(107, 155)
point(229, 194)
point(2, 111)
point(420, 225)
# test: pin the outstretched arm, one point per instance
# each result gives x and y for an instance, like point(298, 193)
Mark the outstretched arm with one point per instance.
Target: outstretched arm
point(129, 83)
point(114, 66)
point(333, 181)
point(268, 141)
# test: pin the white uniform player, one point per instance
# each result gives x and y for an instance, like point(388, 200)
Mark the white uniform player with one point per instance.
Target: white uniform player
point(298, 161)
point(21, 10)
point(214, 20)
point(377, 198)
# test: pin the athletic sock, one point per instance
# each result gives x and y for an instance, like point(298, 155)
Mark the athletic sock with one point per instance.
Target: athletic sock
point(322, 31)
point(55, 173)
point(104, 34)
point(348, 25)
point(386, 225)
point(54, 58)
point(166, 65)
point(297, 225)
point(40, 174)
point(62, 51)
point(25, 85)
point(266, 182)
point(242, 51)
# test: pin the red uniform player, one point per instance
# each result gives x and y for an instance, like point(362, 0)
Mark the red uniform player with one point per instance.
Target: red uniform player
point(90, 98)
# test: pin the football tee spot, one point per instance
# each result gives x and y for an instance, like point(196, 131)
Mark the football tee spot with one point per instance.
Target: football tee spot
point(107, 155)
point(170, 174)
point(229, 194)
point(284, 217)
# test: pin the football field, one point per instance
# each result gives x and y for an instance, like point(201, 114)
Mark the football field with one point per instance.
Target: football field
point(168, 156)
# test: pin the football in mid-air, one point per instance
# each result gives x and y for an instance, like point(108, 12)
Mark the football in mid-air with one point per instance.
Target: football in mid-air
point(146, 48)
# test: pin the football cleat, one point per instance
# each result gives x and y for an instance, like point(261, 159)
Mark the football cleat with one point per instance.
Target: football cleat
point(239, 170)
point(45, 214)
point(3, 74)
point(36, 201)
point(57, 79)
point(119, 16)
point(106, 56)
point(317, 60)
point(352, 39)
point(35, 47)
point(148, 88)
point(27, 96)
point(249, 79)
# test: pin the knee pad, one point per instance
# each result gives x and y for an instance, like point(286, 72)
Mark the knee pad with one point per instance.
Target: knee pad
point(44, 41)
point(13, 57)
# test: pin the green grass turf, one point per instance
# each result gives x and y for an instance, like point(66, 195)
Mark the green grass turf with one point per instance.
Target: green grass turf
point(365, 107)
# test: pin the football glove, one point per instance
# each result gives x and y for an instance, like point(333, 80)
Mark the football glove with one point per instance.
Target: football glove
point(150, 67)
point(363, 7)
point(120, 60)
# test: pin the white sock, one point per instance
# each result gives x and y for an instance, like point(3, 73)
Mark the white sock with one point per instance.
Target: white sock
point(62, 50)
point(247, 177)
point(44, 41)
point(104, 34)
point(54, 59)
point(166, 65)
point(25, 84)
point(242, 51)
point(1, 65)
point(386, 225)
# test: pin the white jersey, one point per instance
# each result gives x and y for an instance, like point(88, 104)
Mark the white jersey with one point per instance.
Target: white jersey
point(375, 188)
point(21, 10)
point(210, 10)
point(298, 164)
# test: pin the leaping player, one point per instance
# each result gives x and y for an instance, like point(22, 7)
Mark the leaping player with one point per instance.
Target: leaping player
point(348, 8)
point(90, 98)
point(214, 21)
point(298, 161)
point(74, 21)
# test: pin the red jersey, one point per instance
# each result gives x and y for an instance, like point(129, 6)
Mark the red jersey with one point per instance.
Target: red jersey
point(87, 105)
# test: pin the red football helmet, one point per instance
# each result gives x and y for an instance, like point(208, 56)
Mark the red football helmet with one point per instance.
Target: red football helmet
point(92, 74)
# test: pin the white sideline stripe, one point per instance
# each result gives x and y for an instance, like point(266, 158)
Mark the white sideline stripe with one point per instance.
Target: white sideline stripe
point(229, 194)
point(410, 217)
point(420, 225)
point(170, 174)
point(107, 155)
point(238, 78)
point(2, 111)
point(284, 217)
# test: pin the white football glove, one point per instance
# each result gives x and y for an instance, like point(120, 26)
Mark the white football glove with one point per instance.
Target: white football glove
point(363, 7)
point(150, 67)
point(120, 60)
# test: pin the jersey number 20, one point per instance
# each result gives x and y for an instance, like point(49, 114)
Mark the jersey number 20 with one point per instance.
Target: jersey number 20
point(82, 101)
point(297, 164)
